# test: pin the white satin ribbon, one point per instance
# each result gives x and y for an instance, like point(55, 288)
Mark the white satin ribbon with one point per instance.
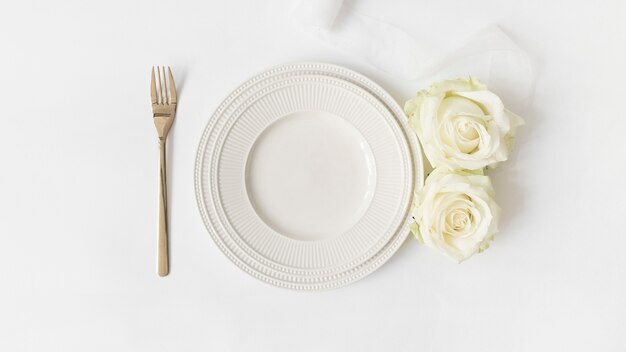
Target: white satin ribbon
point(490, 55)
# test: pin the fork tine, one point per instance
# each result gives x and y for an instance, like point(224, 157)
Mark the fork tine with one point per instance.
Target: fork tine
point(166, 92)
point(153, 91)
point(160, 90)
point(166, 97)
point(172, 86)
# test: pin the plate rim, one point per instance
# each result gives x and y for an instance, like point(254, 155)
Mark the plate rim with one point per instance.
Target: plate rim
point(221, 133)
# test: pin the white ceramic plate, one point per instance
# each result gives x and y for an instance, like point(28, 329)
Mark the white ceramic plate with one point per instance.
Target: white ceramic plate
point(305, 175)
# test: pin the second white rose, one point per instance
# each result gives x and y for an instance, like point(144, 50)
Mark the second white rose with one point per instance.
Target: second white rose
point(455, 213)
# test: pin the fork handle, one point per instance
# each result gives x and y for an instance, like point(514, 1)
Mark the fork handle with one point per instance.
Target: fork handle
point(163, 255)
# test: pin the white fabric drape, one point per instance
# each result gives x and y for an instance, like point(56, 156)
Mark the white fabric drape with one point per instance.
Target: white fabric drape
point(490, 55)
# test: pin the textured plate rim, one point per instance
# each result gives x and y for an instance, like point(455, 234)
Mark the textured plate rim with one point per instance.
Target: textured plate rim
point(216, 209)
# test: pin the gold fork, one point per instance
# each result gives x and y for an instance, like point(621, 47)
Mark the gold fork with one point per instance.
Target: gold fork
point(163, 94)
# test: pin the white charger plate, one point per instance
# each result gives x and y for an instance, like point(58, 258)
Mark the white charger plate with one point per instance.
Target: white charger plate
point(305, 175)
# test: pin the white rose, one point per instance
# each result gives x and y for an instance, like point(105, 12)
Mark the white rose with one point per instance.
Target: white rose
point(462, 125)
point(455, 213)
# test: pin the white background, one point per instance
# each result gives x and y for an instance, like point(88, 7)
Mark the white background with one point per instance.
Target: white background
point(78, 188)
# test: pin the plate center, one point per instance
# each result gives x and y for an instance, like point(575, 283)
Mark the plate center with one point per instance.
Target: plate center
point(310, 175)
